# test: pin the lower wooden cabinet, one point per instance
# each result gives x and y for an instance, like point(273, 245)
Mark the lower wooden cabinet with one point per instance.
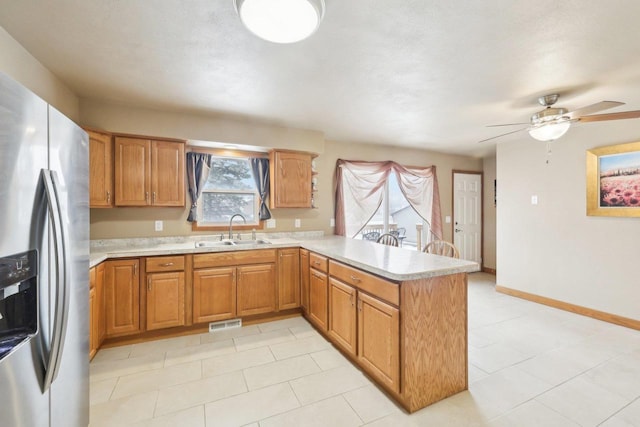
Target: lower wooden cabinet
point(318, 294)
point(165, 300)
point(256, 289)
point(100, 303)
point(343, 315)
point(122, 297)
point(304, 279)
point(288, 278)
point(214, 294)
point(93, 324)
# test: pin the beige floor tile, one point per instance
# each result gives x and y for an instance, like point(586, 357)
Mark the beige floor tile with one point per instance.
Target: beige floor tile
point(101, 390)
point(251, 407)
point(236, 361)
point(191, 417)
point(112, 353)
point(583, 402)
point(172, 399)
point(620, 375)
point(263, 339)
point(476, 374)
point(298, 347)
point(330, 412)
point(304, 331)
point(280, 371)
point(532, 414)
point(291, 322)
point(370, 403)
point(128, 410)
point(399, 420)
point(162, 346)
point(494, 357)
point(330, 359)
point(158, 378)
point(115, 368)
point(199, 352)
point(629, 416)
point(325, 384)
point(228, 334)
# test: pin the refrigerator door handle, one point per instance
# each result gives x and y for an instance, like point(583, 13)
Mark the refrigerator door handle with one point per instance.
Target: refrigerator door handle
point(62, 284)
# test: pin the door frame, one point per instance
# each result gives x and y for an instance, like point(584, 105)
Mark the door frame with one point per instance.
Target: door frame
point(453, 213)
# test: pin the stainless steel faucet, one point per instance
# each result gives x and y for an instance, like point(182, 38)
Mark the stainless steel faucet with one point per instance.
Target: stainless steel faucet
point(231, 224)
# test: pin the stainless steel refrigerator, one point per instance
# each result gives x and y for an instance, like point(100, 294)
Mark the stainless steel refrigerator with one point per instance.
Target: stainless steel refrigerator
point(44, 264)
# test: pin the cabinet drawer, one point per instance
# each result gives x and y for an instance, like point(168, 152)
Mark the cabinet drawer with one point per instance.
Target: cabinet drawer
point(225, 259)
point(319, 262)
point(374, 285)
point(165, 263)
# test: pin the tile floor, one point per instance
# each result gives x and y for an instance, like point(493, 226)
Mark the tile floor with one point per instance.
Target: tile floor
point(529, 365)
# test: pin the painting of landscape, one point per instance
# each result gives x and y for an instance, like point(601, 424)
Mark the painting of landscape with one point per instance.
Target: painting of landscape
point(620, 180)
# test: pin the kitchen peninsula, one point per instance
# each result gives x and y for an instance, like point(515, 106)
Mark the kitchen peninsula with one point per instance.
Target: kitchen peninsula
point(398, 314)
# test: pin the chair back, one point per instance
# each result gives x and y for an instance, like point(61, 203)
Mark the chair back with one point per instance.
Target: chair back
point(443, 248)
point(372, 235)
point(388, 239)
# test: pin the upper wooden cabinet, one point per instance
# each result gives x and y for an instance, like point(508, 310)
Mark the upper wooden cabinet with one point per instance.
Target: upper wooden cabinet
point(290, 183)
point(100, 169)
point(148, 173)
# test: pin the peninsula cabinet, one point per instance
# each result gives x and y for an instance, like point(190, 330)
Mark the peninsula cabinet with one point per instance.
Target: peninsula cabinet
point(290, 182)
point(149, 173)
point(165, 292)
point(318, 291)
point(122, 297)
point(304, 280)
point(100, 169)
point(288, 278)
point(96, 309)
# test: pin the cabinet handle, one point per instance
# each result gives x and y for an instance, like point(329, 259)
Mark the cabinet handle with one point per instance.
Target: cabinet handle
point(149, 284)
point(108, 197)
point(359, 305)
point(166, 264)
point(135, 269)
point(154, 197)
point(354, 278)
point(317, 262)
point(146, 197)
point(351, 299)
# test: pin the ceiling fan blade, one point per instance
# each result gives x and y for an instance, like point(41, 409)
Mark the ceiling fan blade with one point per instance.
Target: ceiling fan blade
point(611, 116)
point(504, 134)
point(507, 124)
point(593, 108)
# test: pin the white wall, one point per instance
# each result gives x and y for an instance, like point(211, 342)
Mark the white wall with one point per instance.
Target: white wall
point(553, 249)
point(489, 213)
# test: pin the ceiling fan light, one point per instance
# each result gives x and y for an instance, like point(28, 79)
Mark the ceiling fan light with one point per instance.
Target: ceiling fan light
point(281, 21)
point(549, 131)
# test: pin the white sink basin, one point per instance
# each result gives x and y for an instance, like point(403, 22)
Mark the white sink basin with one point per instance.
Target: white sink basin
point(212, 244)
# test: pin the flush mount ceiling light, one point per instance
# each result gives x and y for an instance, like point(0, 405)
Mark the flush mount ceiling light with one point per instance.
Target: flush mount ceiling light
point(281, 21)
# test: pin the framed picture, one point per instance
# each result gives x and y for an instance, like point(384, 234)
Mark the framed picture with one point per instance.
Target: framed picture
point(613, 180)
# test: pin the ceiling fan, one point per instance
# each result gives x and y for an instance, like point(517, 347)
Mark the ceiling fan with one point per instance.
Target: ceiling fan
point(553, 122)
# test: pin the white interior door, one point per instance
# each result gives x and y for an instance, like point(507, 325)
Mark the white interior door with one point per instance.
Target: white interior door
point(467, 214)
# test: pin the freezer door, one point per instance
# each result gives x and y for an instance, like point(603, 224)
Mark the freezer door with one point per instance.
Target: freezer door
point(23, 153)
point(69, 160)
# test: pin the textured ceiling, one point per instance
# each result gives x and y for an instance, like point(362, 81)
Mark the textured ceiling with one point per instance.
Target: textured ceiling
point(420, 73)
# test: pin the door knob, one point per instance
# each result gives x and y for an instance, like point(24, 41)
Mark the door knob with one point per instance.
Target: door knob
point(458, 230)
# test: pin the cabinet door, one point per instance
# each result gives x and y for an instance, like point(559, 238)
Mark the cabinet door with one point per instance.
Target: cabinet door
point(288, 278)
point(93, 324)
point(342, 315)
point(214, 294)
point(256, 287)
point(318, 285)
point(122, 302)
point(291, 180)
point(304, 279)
point(167, 173)
point(165, 300)
point(132, 171)
point(379, 340)
point(100, 303)
point(100, 170)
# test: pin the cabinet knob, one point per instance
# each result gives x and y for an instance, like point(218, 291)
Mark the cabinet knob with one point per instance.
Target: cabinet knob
point(154, 198)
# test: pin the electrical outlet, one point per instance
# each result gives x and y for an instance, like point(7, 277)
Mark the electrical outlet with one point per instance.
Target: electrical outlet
point(159, 225)
point(296, 223)
point(271, 223)
point(534, 200)
point(332, 222)
point(447, 219)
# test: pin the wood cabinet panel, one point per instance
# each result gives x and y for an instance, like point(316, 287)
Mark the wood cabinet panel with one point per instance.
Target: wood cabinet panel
point(379, 340)
point(100, 170)
point(132, 171)
point(159, 264)
point(343, 315)
point(165, 300)
point(290, 179)
point(319, 262)
point(214, 294)
point(93, 323)
point(122, 297)
point(288, 278)
point(304, 279)
point(256, 289)
point(318, 294)
point(167, 173)
point(374, 285)
point(100, 302)
point(225, 259)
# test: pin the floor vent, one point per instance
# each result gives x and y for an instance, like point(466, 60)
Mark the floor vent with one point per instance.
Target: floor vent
point(226, 324)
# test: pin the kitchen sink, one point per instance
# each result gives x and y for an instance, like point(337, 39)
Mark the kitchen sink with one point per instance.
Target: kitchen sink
point(213, 244)
point(251, 242)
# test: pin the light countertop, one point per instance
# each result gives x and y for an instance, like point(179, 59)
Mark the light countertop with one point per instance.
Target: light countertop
point(390, 262)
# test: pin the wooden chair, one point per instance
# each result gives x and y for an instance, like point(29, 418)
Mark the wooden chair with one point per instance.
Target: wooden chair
point(400, 233)
point(372, 235)
point(388, 239)
point(443, 248)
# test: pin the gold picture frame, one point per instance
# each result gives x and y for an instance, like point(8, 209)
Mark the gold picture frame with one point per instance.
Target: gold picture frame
point(613, 180)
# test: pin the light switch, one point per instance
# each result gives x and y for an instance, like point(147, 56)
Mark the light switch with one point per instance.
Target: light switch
point(447, 219)
point(159, 225)
point(332, 222)
point(534, 200)
point(296, 223)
